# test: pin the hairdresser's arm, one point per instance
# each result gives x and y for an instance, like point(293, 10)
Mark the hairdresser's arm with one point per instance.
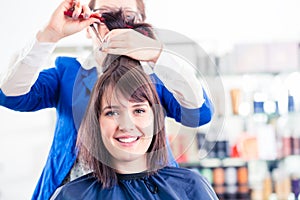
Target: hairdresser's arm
point(181, 80)
point(25, 65)
point(191, 117)
point(181, 93)
point(24, 68)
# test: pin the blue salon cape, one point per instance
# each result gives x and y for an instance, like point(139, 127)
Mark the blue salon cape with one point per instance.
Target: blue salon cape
point(67, 87)
point(169, 183)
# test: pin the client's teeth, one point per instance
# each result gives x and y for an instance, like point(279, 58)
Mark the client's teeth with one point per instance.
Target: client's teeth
point(127, 140)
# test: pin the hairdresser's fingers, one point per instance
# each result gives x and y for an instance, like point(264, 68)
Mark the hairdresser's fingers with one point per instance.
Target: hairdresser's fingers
point(70, 2)
point(59, 11)
point(133, 44)
point(114, 44)
point(131, 38)
point(86, 11)
point(138, 54)
point(118, 34)
point(119, 38)
point(116, 51)
point(77, 10)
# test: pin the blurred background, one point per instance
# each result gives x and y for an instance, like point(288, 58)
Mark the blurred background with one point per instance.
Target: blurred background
point(251, 46)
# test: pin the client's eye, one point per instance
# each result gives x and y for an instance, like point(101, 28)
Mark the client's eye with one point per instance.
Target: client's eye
point(112, 113)
point(139, 111)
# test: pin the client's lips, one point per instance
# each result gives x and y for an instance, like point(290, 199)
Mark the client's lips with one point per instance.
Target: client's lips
point(128, 139)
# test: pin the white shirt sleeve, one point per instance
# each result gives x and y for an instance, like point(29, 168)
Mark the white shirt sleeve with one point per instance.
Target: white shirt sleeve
point(179, 77)
point(24, 67)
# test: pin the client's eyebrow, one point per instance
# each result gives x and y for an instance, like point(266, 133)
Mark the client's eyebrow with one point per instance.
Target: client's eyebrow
point(110, 107)
point(140, 104)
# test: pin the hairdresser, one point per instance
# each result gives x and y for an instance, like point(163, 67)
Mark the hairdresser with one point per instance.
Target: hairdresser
point(67, 86)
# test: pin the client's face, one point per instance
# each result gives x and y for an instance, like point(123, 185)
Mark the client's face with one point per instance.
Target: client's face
point(127, 129)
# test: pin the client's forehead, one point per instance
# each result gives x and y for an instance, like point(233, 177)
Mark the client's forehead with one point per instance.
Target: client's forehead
point(113, 96)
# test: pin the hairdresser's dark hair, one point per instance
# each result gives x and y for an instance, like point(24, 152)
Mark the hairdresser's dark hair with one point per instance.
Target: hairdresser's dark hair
point(117, 19)
point(140, 6)
point(124, 77)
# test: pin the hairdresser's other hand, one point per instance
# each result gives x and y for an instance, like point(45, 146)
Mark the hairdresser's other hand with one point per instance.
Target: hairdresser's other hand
point(133, 44)
point(60, 26)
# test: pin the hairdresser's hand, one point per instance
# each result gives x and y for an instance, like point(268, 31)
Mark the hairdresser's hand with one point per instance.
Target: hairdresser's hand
point(60, 26)
point(133, 44)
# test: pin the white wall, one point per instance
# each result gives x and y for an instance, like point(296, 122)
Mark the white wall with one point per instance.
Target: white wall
point(25, 139)
point(217, 25)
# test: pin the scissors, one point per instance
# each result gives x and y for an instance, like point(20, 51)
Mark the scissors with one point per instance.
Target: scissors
point(69, 13)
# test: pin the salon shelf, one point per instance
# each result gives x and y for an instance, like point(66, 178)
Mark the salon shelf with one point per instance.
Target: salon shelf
point(214, 162)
